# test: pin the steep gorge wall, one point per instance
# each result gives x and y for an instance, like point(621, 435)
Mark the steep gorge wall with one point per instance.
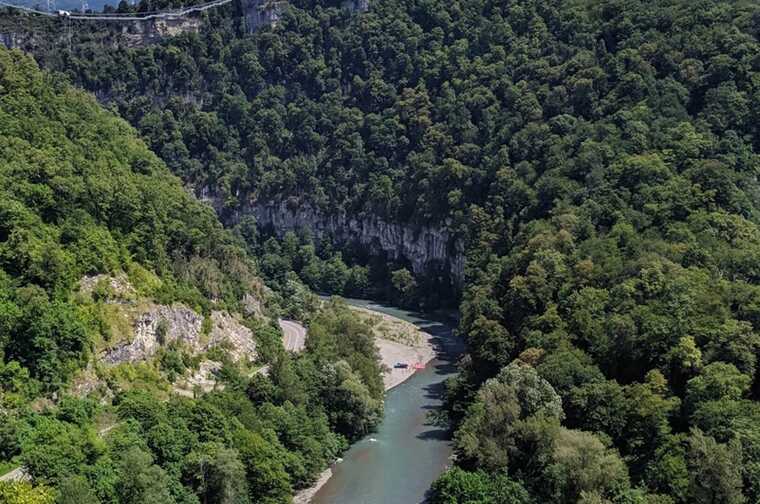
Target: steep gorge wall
point(425, 248)
point(29, 34)
point(153, 31)
point(24, 31)
point(260, 13)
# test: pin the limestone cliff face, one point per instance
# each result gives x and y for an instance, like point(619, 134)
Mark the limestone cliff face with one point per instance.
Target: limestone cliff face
point(426, 248)
point(227, 332)
point(176, 323)
point(15, 40)
point(259, 13)
point(8, 40)
point(161, 325)
point(356, 5)
point(139, 33)
point(142, 33)
point(16, 34)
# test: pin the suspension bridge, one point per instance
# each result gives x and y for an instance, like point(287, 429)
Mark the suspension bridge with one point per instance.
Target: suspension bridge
point(119, 16)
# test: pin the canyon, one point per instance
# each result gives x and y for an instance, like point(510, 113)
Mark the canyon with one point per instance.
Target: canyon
point(428, 249)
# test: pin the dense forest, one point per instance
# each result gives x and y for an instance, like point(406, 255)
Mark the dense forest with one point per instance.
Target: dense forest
point(598, 156)
point(80, 194)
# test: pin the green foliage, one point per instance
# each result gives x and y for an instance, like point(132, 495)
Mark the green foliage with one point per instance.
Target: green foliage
point(82, 195)
point(335, 333)
point(141, 480)
point(25, 493)
point(76, 490)
point(53, 450)
point(354, 411)
point(715, 470)
point(218, 475)
point(461, 487)
point(487, 436)
point(76, 411)
point(174, 360)
point(256, 441)
point(582, 465)
point(717, 381)
point(404, 284)
point(265, 468)
point(599, 160)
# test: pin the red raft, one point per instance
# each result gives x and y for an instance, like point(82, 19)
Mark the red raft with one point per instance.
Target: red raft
point(419, 365)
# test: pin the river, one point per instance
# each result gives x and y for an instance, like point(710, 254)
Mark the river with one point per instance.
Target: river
point(397, 464)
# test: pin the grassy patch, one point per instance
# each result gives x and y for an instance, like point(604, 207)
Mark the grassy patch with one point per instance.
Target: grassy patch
point(138, 375)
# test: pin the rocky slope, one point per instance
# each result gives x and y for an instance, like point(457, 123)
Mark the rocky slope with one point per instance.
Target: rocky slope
point(152, 326)
point(161, 325)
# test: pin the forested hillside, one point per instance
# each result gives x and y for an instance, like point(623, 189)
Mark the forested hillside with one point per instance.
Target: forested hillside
point(599, 157)
point(81, 195)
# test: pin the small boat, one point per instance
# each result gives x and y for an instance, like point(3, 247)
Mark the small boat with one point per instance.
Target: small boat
point(401, 365)
point(419, 365)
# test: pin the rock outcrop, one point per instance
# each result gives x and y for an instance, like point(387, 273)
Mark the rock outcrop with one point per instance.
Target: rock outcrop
point(13, 40)
point(139, 33)
point(15, 32)
point(204, 378)
point(426, 248)
point(356, 5)
point(161, 325)
point(259, 13)
point(142, 33)
point(228, 333)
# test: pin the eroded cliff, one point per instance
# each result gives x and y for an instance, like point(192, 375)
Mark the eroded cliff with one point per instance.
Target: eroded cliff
point(426, 248)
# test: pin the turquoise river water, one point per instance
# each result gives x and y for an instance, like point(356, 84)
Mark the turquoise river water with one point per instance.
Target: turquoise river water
point(397, 464)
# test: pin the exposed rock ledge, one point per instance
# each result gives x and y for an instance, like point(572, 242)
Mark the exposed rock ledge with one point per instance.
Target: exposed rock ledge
point(426, 248)
point(161, 325)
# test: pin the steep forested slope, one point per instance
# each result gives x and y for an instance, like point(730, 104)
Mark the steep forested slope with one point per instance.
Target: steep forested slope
point(600, 157)
point(81, 195)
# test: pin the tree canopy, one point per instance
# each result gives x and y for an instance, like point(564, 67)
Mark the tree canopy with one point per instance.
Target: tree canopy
point(597, 157)
point(81, 194)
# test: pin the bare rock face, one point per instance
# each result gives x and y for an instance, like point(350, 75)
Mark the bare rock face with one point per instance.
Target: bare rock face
point(228, 333)
point(356, 5)
point(16, 33)
point(159, 326)
point(155, 326)
point(252, 305)
point(424, 247)
point(152, 31)
point(260, 13)
point(19, 474)
point(12, 40)
point(85, 382)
